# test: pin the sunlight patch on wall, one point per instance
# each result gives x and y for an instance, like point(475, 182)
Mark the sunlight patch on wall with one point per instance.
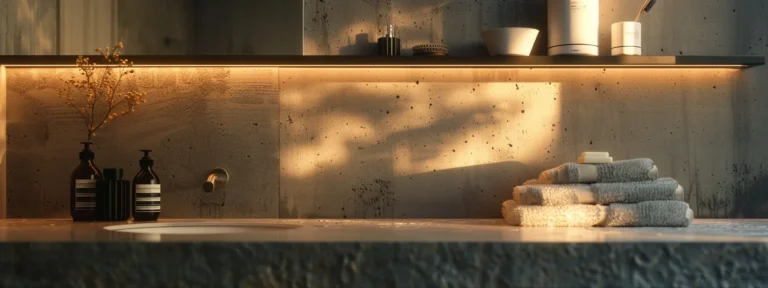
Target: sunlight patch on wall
point(409, 121)
point(506, 126)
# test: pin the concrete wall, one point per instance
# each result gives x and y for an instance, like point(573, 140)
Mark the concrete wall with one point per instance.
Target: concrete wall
point(380, 143)
point(351, 27)
point(247, 27)
point(155, 27)
point(702, 127)
point(195, 120)
point(203, 27)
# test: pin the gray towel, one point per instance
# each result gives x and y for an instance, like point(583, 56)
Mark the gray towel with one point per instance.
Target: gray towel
point(634, 192)
point(620, 171)
point(550, 194)
point(644, 214)
point(551, 216)
point(564, 174)
point(649, 214)
point(597, 193)
point(625, 171)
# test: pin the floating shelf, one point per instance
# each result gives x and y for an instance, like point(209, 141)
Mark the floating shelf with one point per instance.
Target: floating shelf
point(734, 62)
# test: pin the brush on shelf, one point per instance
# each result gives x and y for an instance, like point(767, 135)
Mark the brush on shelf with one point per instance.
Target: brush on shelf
point(645, 8)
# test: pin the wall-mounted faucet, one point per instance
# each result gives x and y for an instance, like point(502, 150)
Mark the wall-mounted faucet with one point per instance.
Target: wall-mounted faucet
point(216, 179)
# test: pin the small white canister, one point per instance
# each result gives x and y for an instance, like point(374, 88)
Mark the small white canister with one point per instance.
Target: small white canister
point(626, 38)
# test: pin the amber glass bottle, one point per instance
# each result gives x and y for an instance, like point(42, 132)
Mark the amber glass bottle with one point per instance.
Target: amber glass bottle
point(82, 187)
point(146, 191)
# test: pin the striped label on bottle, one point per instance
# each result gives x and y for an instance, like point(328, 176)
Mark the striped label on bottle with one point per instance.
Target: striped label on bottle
point(85, 194)
point(147, 197)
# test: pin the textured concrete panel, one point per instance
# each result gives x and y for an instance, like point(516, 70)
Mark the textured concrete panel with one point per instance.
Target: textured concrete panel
point(750, 175)
point(682, 27)
point(452, 143)
point(351, 27)
point(342, 27)
point(196, 119)
point(221, 27)
point(155, 27)
point(361, 264)
point(29, 27)
point(703, 128)
point(247, 27)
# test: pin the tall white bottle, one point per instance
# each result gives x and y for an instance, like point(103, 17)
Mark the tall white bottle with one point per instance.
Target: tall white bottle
point(573, 27)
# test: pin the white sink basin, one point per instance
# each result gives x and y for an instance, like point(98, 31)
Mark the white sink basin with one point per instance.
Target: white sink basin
point(200, 228)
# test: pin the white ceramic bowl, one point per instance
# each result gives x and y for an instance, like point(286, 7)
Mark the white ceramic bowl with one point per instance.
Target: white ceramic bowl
point(507, 41)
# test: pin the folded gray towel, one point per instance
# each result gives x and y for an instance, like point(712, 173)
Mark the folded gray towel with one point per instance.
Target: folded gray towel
point(552, 216)
point(634, 192)
point(553, 194)
point(626, 171)
point(649, 214)
point(598, 193)
point(643, 214)
point(620, 171)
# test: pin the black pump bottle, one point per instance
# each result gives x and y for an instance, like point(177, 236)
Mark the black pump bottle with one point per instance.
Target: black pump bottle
point(146, 191)
point(82, 187)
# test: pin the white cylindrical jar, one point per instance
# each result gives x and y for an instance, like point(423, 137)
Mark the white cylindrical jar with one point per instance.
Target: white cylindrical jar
point(573, 27)
point(626, 38)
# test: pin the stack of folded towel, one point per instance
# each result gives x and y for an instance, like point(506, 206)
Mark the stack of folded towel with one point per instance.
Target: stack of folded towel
point(621, 193)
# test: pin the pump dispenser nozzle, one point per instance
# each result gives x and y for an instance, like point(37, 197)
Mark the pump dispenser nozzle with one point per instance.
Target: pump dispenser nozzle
point(146, 161)
point(86, 154)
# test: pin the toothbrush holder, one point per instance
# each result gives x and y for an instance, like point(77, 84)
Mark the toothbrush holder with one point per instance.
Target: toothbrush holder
point(626, 38)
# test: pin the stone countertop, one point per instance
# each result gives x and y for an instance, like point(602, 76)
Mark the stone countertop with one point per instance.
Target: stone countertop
point(396, 230)
point(386, 253)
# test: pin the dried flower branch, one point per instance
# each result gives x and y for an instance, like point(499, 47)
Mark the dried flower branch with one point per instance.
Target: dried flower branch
point(97, 96)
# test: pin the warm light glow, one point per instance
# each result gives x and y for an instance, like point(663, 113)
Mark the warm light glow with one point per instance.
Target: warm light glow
point(416, 122)
point(489, 137)
point(412, 121)
point(446, 121)
point(441, 66)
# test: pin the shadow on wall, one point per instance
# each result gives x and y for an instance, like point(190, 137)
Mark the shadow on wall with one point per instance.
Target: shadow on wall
point(361, 46)
point(399, 143)
point(466, 192)
point(451, 143)
point(479, 190)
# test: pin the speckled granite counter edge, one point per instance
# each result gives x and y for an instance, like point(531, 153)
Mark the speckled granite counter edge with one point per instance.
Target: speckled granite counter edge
point(112, 264)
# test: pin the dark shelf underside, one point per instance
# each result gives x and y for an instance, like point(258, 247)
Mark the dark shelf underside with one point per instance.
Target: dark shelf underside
point(414, 62)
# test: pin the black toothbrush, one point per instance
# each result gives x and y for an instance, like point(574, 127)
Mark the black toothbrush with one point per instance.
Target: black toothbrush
point(645, 8)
